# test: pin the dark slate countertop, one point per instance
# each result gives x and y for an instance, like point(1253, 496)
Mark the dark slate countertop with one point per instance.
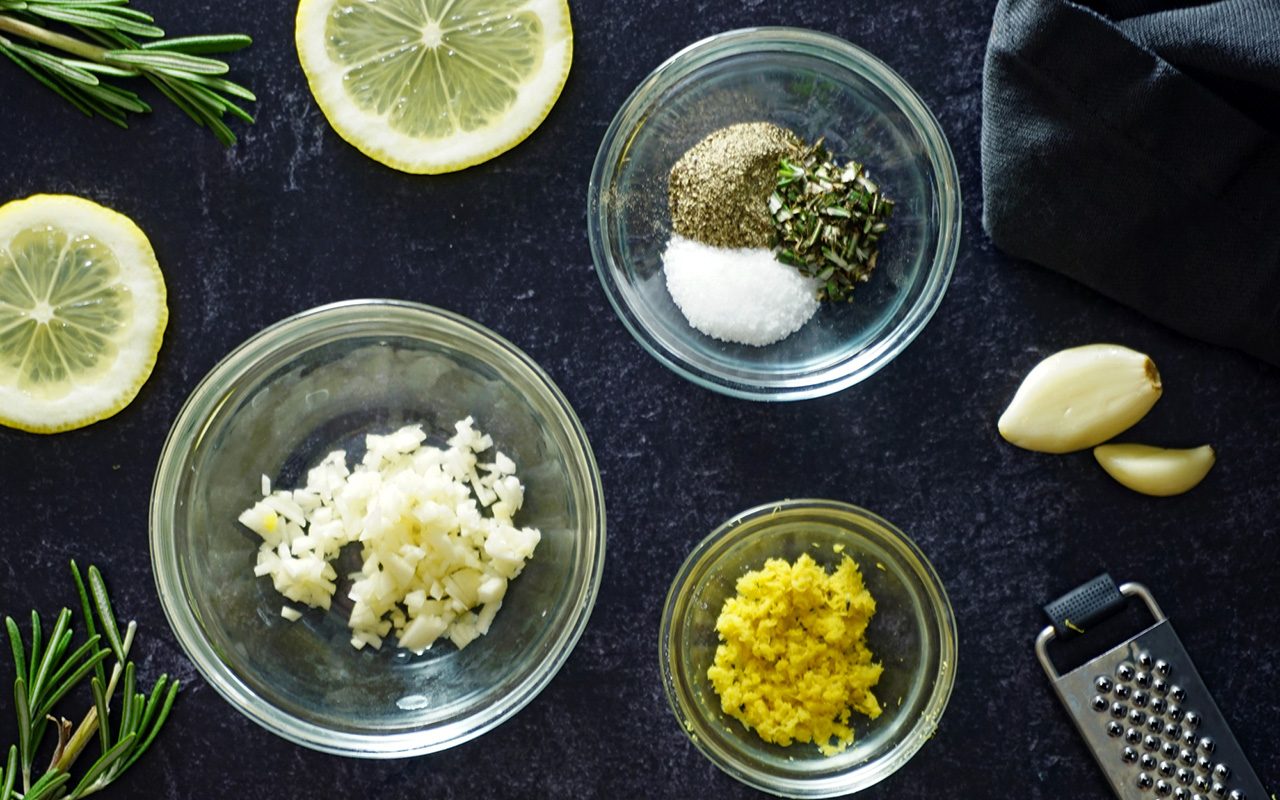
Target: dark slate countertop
point(293, 217)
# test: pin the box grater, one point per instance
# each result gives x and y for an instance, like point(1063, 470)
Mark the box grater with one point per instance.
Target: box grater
point(1142, 707)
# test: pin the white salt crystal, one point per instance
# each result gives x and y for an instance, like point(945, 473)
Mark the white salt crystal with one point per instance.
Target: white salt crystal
point(741, 295)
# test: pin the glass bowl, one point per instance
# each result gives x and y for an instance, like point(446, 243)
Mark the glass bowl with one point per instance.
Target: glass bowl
point(279, 403)
point(818, 86)
point(913, 634)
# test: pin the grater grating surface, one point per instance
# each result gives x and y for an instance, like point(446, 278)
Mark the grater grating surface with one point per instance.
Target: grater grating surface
point(1149, 720)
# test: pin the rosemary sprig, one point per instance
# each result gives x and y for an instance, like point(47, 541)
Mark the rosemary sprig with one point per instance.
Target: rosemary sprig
point(48, 669)
point(107, 46)
point(828, 219)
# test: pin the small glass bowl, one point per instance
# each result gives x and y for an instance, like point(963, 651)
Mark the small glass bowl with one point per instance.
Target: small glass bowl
point(279, 403)
point(913, 634)
point(818, 86)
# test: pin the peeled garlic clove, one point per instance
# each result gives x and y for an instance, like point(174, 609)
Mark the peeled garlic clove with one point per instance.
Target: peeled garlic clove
point(1155, 471)
point(1081, 397)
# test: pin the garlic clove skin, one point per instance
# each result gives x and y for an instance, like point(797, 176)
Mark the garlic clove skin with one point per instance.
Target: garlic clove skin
point(1156, 471)
point(1081, 397)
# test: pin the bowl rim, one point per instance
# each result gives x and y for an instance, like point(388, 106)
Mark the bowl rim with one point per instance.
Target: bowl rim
point(205, 400)
point(866, 774)
point(861, 364)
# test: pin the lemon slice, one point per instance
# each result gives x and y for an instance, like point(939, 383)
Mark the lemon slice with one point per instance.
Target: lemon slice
point(82, 312)
point(430, 86)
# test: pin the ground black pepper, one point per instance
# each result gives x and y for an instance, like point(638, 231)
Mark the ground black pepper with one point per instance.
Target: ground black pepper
point(718, 192)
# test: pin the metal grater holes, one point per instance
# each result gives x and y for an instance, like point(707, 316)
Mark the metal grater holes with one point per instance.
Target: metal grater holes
point(1185, 772)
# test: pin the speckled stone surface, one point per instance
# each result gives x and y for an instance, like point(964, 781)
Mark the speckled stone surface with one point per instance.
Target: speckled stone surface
point(294, 217)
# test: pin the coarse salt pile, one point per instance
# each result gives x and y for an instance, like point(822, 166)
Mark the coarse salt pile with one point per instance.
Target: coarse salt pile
point(740, 295)
point(433, 564)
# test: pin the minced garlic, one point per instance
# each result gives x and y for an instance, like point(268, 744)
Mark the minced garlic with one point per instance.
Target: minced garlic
point(793, 661)
point(435, 564)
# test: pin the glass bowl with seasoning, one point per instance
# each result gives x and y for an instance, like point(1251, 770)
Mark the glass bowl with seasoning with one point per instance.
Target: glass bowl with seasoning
point(762, 148)
point(260, 432)
point(832, 591)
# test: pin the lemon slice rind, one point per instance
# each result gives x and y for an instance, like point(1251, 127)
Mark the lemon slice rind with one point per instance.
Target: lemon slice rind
point(370, 134)
point(113, 389)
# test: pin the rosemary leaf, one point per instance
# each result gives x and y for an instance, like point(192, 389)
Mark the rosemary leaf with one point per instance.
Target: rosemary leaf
point(119, 98)
point(48, 786)
point(72, 15)
point(86, 3)
point(58, 641)
point(121, 9)
point(211, 84)
point(225, 86)
point(161, 60)
point(10, 774)
point(106, 617)
point(153, 703)
point(139, 708)
point(86, 610)
point(37, 635)
point(202, 45)
point(127, 705)
point(15, 644)
point(101, 69)
point(22, 707)
point(104, 763)
point(163, 715)
point(102, 704)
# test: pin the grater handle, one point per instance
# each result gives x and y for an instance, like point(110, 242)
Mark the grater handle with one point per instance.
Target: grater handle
point(1064, 604)
point(1082, 606)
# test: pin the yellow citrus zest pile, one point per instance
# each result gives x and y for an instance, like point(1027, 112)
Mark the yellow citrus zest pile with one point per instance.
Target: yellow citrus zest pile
point(793, 661)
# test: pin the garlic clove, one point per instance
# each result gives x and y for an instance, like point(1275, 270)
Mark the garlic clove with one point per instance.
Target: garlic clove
point(1081, 397)
point(1156, 471)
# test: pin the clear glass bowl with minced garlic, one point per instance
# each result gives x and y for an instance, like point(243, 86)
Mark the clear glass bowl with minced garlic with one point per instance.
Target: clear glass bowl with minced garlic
point(818, 87)
point(320, 381)
point(912, 635)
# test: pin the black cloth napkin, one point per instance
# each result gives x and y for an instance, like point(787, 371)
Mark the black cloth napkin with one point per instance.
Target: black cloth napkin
point(1134, 145)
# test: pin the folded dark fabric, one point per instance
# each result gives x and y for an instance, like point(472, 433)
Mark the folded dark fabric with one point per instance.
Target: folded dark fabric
point(1135, 145)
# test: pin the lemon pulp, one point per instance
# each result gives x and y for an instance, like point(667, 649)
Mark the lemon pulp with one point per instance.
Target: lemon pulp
point(82, 312)
point(434, 85)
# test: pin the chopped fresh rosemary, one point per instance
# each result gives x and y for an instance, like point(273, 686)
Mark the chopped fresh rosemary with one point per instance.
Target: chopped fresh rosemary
point(105, 45)
point(828, 219)
point(47, 669)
